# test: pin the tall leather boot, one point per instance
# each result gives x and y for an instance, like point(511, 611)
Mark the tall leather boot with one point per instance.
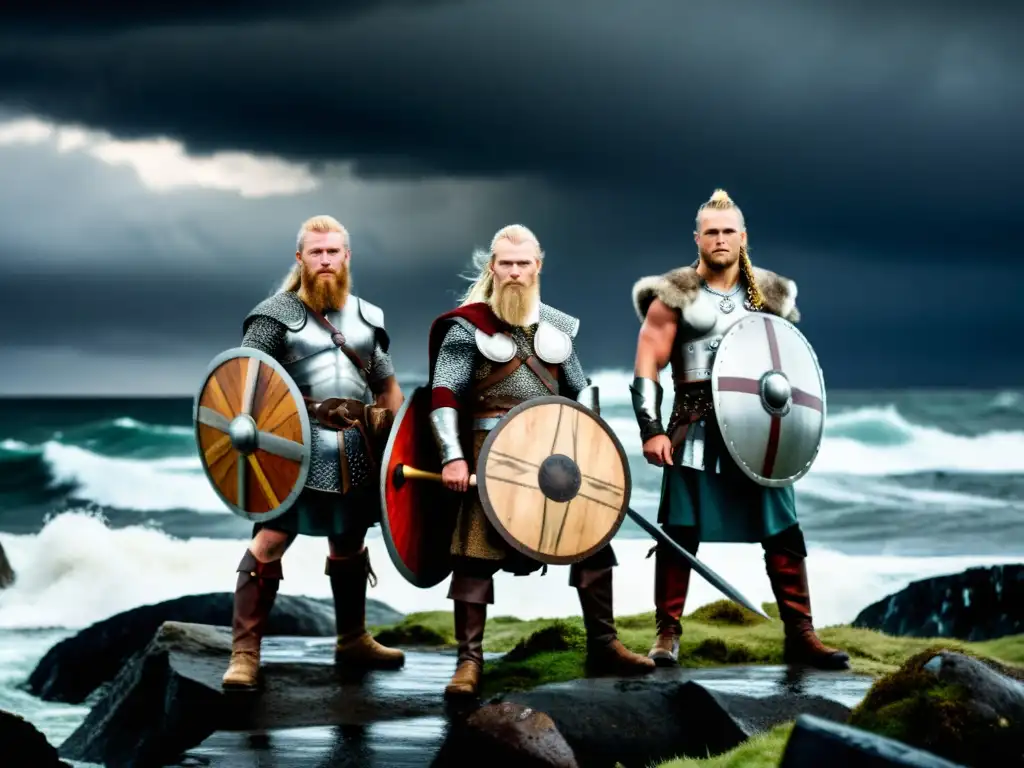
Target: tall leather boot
point(470, 595)
point(605, 652)
point(255, 592)
point(788, 575)
point(671, 585)
point(355, 647)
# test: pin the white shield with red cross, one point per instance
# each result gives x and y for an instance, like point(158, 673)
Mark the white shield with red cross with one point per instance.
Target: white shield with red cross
point(769, 395)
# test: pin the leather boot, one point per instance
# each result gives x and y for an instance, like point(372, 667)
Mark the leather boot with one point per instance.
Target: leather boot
point(470, 620)
point(671, 585)
point(788, 575)
point(355, 647)
point(255, 591)
point(605, 652)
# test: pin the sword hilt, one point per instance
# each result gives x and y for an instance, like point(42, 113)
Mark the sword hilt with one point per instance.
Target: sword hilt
point(404, 472)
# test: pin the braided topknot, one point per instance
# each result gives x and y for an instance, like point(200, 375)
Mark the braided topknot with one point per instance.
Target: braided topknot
point(720, 201)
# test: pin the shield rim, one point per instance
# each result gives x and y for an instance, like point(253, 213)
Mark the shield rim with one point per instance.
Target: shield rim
point(300, 484)
point(385, 479)
point(716, 395)
point(488, 507)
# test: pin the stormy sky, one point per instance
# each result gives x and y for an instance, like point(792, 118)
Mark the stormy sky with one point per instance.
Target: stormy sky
point(155, 165)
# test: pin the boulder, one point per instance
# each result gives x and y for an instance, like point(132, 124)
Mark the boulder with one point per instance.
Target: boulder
point(507, 734)
point(18, 737)
point(967, 710)
point(674, 712)
point(168, 699)
point(6, 572)
point(978, 604)
point(815, 742)
point(75, 667)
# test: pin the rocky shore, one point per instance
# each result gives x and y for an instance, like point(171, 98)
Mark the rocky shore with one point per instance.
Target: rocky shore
point(152, 679)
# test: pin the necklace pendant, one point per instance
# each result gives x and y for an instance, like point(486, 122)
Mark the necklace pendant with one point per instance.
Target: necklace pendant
point(726, 306)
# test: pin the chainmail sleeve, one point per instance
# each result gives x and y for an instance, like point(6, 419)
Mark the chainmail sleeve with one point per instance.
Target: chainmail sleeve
point(575, 379)
point(265, 334)
point(453, 369)
point(452, 378)
point(380, 365)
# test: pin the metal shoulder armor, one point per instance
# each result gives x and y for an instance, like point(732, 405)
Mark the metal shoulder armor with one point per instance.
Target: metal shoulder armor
point(553, 342)
point(285, 307)
point(374, 317)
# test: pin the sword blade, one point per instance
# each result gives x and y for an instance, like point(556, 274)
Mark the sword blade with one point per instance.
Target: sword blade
point(713, 578)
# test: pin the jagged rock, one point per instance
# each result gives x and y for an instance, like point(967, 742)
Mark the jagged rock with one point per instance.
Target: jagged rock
point(977, 604)
point(960, 708)
point(23, 746)
point(73, 668)
point(7, 577)
point(815, 742)
point(168, 699)
point(511, 734)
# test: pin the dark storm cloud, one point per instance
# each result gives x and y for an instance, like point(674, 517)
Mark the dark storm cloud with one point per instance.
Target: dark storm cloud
point(872, 139)
point(838, 111)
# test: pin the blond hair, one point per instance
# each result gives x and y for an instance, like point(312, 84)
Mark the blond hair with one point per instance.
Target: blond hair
point(319, 223)
point(483, 279)
point(720, 201)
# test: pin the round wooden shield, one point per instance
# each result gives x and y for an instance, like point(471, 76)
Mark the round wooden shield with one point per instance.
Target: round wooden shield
point(253, 434)
point(554, 480)
point(419, 513)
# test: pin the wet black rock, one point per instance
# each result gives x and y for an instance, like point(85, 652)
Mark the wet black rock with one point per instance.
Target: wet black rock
point(23, 746)
point(815, 742)
point(977, 604)
point(75, 667)
point(7, 577)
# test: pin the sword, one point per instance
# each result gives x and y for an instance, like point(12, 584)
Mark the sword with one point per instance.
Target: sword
point(403, 473)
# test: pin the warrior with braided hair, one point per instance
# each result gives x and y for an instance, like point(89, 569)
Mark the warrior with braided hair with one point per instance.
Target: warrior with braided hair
point(705, 496)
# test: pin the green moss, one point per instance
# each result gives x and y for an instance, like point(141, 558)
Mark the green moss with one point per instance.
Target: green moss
point(913, 706)
point(552, 650)
point(761, 751)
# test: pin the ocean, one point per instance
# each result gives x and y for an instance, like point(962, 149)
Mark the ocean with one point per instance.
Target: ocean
point(103, 507)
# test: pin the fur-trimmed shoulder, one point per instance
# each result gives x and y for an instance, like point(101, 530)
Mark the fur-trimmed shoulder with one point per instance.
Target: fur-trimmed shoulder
point(285, 307)
point(679, 287)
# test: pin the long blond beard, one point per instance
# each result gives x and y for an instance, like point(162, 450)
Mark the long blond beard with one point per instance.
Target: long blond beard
point(513, 302)
point(325, 293)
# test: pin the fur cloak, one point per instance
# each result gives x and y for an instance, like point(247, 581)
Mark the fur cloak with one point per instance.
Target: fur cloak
point(679, 287)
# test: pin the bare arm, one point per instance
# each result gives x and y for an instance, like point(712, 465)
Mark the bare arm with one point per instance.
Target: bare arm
point(653, 352)
point(389, 394)
point(654, 346)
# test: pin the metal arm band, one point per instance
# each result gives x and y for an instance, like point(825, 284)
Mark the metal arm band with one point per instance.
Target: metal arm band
point(589, 397)
point(647, 395)
point(445, 423)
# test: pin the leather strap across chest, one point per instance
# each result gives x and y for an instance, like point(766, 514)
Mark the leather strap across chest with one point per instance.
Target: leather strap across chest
point(548, 374)
point(339, 341)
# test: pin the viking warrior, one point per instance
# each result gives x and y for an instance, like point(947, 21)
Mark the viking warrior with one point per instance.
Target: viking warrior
point(500, 348)
point(334, 346)
point(705, 496)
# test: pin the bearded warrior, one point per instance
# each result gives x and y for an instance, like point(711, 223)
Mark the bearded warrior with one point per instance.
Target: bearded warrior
point(334, 346)
point(705, 496)
point(502, 347)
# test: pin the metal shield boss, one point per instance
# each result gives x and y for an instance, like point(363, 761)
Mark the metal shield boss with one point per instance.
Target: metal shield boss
point(253, 433)
point(417, 515)
point(769, 397)
point(554, 480)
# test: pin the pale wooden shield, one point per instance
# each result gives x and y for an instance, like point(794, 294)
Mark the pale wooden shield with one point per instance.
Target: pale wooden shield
point(253, 434)
point(554, 480)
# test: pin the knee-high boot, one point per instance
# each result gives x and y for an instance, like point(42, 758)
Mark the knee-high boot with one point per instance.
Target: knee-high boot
point(605, 652)
point(355, 646)
point(470, 596)
point(787, 572)
point(671, 587)
point(255, 592)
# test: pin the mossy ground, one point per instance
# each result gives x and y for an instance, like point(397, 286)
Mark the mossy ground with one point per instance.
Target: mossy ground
point(553, 650)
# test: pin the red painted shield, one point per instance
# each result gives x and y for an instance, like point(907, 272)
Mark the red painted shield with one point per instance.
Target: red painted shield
point(418, 512)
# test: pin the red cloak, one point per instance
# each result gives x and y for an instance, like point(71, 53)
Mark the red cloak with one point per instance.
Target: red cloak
point(479, 314)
